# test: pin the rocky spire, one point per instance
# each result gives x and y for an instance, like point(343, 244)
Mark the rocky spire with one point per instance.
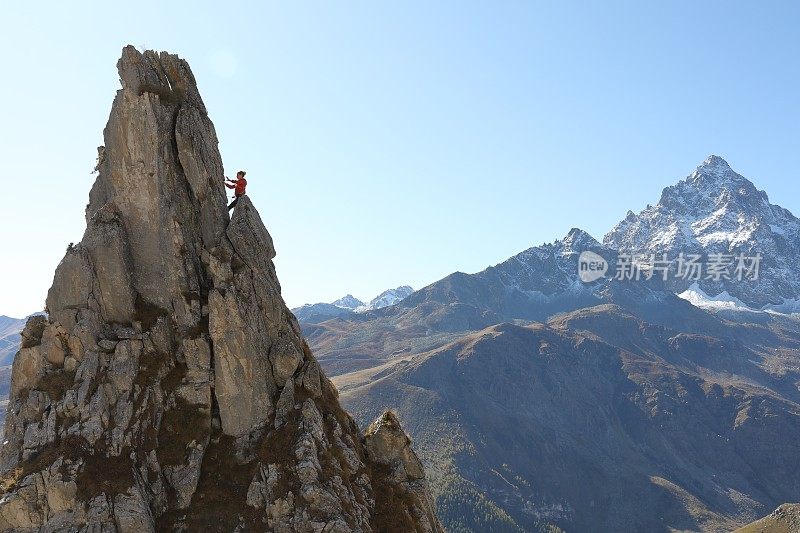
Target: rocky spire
point(170, 388)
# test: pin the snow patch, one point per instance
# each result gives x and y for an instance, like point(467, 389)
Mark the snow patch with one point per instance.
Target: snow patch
point(698, 298)
point(386, 298)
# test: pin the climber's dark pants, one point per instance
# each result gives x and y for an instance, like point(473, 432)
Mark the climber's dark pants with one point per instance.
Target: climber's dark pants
point(233, 203)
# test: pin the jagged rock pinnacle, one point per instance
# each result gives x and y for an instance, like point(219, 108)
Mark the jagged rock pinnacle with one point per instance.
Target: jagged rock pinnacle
point(715, 170)
point(170, 387)
point(715, 161)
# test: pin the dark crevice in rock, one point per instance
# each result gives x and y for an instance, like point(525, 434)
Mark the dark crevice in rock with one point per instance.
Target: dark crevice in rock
point(104, 474)
point(56, 383)
point(146, 313)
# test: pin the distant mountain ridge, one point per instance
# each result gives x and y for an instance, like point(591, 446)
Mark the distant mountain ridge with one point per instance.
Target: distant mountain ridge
point(713, 211)
point(349, 304)
point(386, 298)
point(538, 400)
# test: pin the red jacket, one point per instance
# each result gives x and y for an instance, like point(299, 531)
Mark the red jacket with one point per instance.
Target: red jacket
point(239, 185)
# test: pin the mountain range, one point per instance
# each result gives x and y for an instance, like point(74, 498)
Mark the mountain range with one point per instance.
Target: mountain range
point(349, 304)
point(635, 402)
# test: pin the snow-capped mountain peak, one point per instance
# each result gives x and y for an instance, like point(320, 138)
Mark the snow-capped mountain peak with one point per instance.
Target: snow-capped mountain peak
point(711, 186)
point(715, 210)
point(347, 305)
point(348, 302)
point(387, 298)
point(576, 241)
point(713, 166)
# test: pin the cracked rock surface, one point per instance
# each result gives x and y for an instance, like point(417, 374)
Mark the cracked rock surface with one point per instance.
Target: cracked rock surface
point(170, 388)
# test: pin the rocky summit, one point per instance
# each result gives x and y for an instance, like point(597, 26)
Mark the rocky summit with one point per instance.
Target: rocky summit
point(169, 387)
point(715, 210)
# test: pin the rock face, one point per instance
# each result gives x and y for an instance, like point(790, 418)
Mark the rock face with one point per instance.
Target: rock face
point(170, 388)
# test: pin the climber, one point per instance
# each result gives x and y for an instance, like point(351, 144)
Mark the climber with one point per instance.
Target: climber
point(239, 185)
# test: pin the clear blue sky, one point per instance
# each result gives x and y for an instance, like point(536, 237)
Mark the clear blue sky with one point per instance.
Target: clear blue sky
point(395, 142)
